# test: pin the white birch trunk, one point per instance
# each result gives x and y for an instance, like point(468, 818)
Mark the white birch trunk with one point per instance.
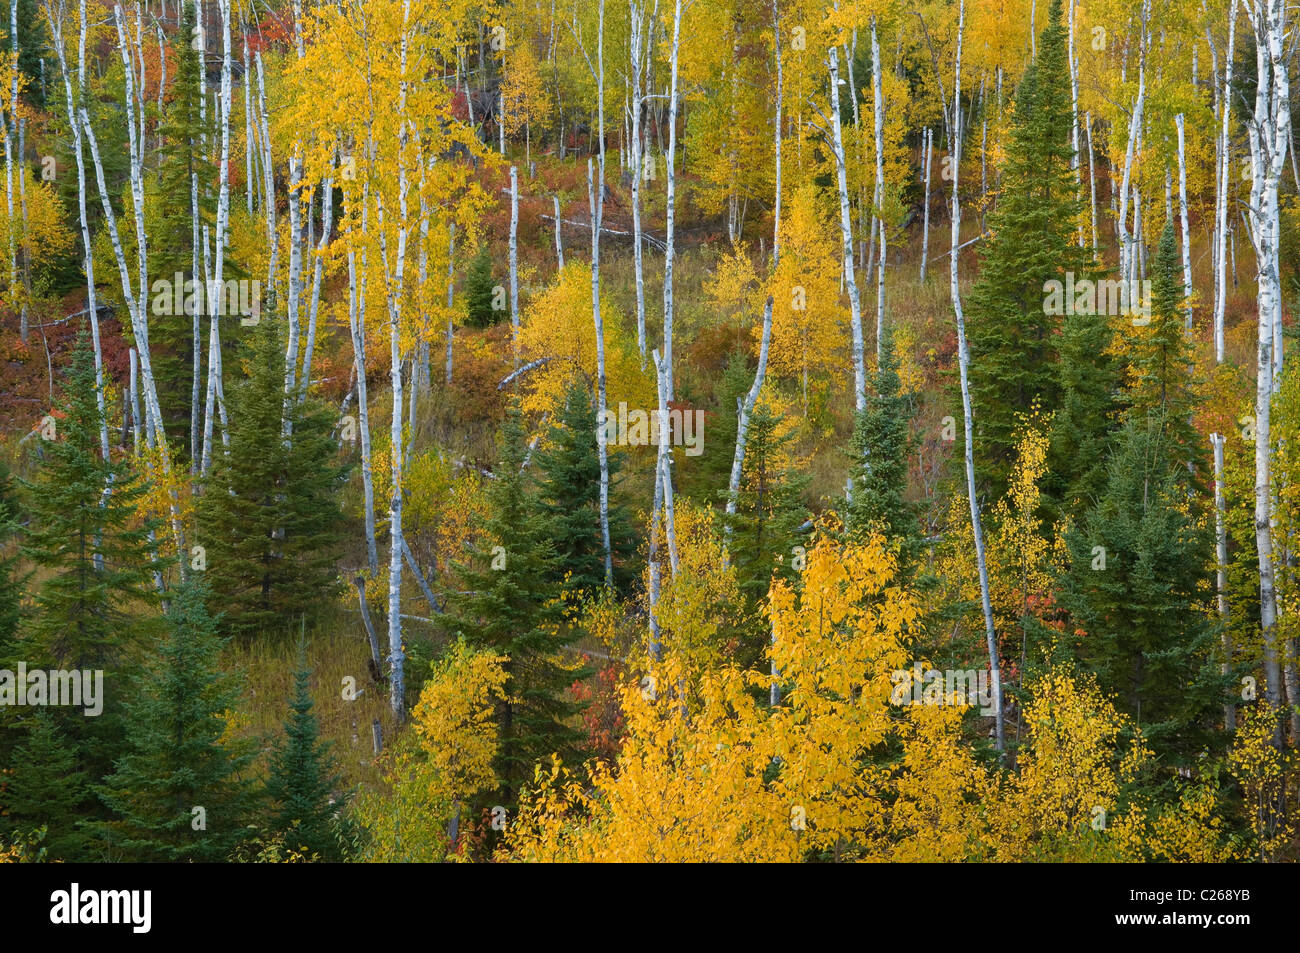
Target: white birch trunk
point(559, 243)
point(746, 406)
point(1182, 214)
point(1269, 138)
point(846, 238)
point(963, 363)
point(55, 17)
point(925, 215)
point(514, 256)
point(879, 119)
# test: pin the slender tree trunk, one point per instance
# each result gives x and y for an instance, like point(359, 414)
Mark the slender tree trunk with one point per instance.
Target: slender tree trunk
point(559, 242)
point(636, 46)
point(327, 224)
point(879, 117)
point(451, 293)
point(1269, 137)
point(963, 363)
point(514, 257)
point(55, 17)
point(846, 239)
point(1126, 252)
point(746, 406)
point(1182, 214)
point(925, 214)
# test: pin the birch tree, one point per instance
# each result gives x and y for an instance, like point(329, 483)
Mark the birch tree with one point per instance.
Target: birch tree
point(963, 364)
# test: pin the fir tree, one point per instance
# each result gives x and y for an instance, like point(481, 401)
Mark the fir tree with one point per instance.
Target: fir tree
point(303, 777)
point(1032, 241)
point(180, 792)
point(879, 455)
point(479, 291)
point(511, 607)
point(269, 515)
point(1136, 588)
point(568, 494)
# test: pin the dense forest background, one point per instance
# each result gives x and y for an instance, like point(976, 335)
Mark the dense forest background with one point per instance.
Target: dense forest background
point(662, 430)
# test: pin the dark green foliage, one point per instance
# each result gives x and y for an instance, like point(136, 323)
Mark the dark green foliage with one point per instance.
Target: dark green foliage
point(11, 586)
point(1085, 419)
point(879, 457)
point(766, 527)
point(1163, 388)
point(184, 164)
point(514, 610)
point(83, 611)
point(568, 497)
point(712, 469)
point(269, 515)
point(303, 778)
point(178, 757)
point(1032, 241)
point(479, 312)
point(45, 787)
point(1149, 636)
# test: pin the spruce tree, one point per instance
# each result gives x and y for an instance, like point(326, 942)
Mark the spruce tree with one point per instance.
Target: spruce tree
point(85, 540)
point(1136, 588)
point(712, 469)
point(766, 527)
point(11, 585)
point(479, 312)
point(1163, 389)
point(510, 606)
point(1032, 241)
point(94, 557)
point(879, 457)
point(303, 777)
point(181, 790)
point(184, 162)
point(269, 515)
point(568, 497)
point(45, 787)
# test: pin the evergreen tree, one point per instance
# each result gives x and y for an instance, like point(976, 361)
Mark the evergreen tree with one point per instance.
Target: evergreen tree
point(479, 286)
point(879, 454)
point(1162, 387)
point(1032, 241)
point(269, 515)
point(1139, 599)
point(303, 777)
point(180, 792)
point(568, 497)
point(184, 166)
point(767, 524)
point(1085, 420)
point(11, 586)
point(712, 469)
point(45, 787)
point(85, 538)
point(511, 607)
